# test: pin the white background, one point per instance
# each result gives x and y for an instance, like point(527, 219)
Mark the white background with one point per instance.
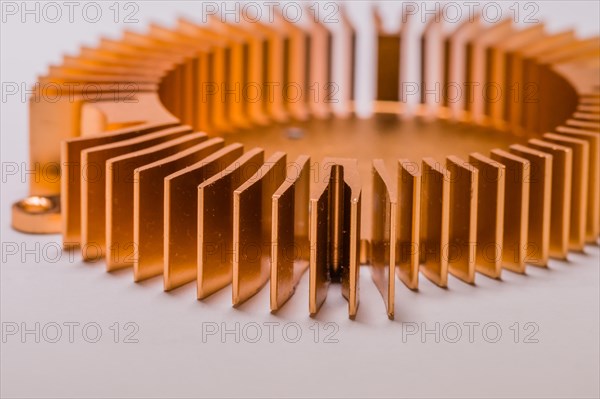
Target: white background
point(373, 357)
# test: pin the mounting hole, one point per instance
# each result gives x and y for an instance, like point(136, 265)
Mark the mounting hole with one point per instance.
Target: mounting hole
point(37, 214)
point(36, 204)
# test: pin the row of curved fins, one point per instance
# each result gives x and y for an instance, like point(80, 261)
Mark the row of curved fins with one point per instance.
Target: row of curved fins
point(168, 201)
point(220, 77)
